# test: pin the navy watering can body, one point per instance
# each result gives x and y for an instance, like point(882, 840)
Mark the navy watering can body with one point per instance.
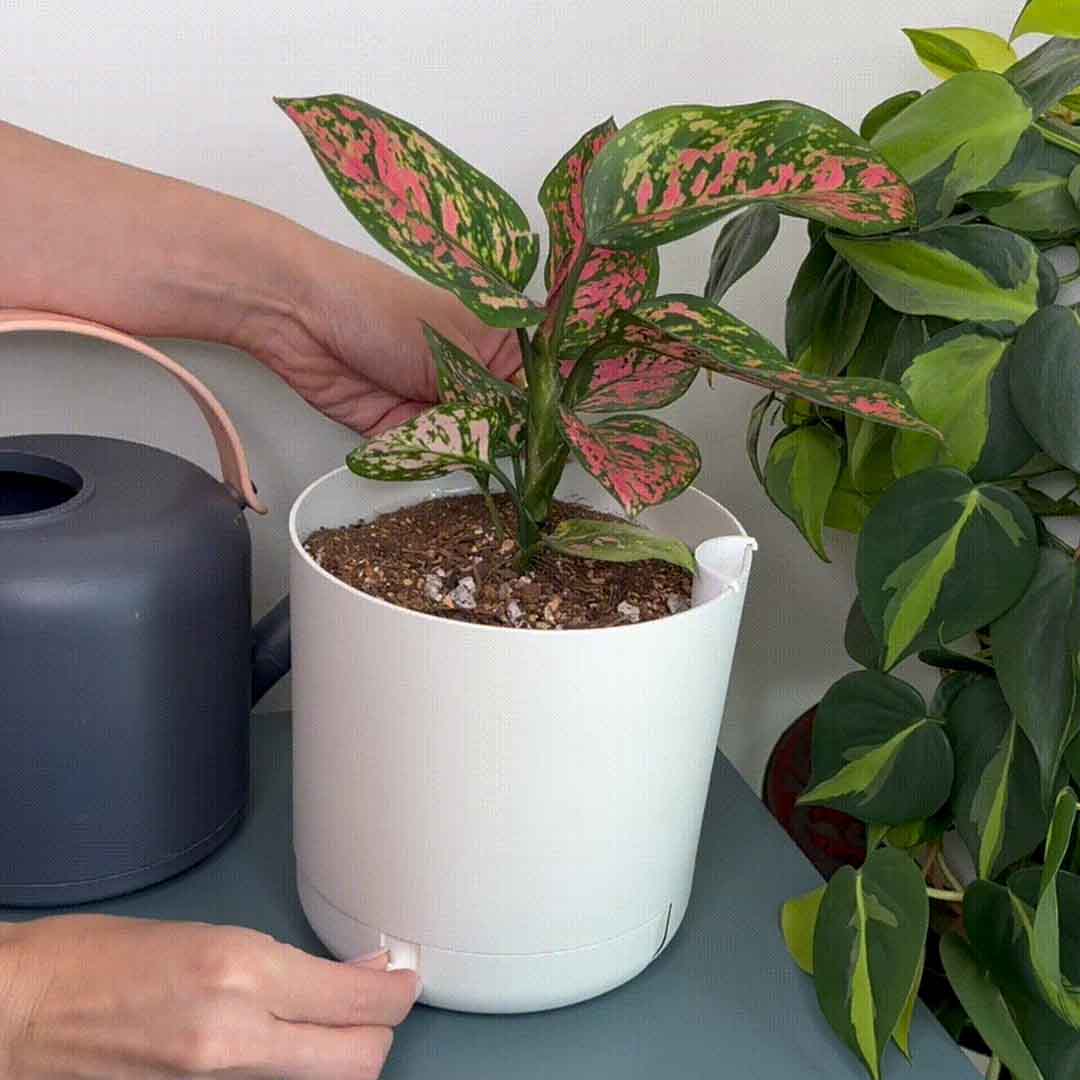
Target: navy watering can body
point(128, 665)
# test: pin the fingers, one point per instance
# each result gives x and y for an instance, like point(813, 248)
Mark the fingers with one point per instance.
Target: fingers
point(304, 988)
point(310, 1052)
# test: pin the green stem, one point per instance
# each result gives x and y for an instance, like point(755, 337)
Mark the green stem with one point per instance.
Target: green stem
point(945, 894)
point(993, 1070)
point(496, 518)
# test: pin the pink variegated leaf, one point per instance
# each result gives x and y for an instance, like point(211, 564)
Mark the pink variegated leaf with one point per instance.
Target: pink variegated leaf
point(446, 220)
point(640, 460)
point(608, 281)
point(617, 541)
point(463, 378)
point(690, 329)
point(445, 439)
point(673, 171)
point(623, 378)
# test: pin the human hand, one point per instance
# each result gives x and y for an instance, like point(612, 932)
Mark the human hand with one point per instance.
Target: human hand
point(84, 997)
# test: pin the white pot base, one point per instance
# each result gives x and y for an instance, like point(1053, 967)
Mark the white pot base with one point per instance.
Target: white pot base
point(495, 983)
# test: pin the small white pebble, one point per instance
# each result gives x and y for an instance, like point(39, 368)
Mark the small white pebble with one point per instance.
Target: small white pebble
point(515, 613)
point(464, 596)
point(433, 587)
point(677, 603)
point(630, 612)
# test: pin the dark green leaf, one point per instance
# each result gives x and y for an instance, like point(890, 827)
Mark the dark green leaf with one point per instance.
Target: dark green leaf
point(948, 660)
point(1035, 649)
point(1047, 74)
point(877, 755)
point(859, 640)
point(614, 541)
point(800, 474)
point(1026, 884)
point(940, 556)
point(753, 434)
point(804, 300)
point(743, 242)
point(844, 304)
point(868, 943)
point(881, 114)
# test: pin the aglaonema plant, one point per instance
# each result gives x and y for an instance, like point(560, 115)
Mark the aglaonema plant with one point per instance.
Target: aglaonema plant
point(600, 343)
point(957, 561)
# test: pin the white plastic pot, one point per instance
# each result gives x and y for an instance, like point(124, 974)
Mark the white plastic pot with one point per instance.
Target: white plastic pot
point(515, 813)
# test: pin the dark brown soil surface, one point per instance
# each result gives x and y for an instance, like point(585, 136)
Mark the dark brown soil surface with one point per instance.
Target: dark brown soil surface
point(443, 557)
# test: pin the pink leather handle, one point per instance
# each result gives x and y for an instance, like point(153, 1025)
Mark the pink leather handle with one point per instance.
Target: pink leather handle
point(234, 469)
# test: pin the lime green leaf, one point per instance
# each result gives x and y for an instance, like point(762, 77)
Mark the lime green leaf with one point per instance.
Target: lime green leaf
point(848, 508)
point(613, 541)
point(948, 50)
point(1036, 643)
point(877, 755)
point(868, 942)
point(955, 138)
point(962, 272)
point(1044, 382)
point(1047, 75)
point(743, 242)
point(800, 474)
point(882, 113)
point(443, 218)
point(797, 918)
point(902, 1032)
point(940, 556)
point(995, 799)
point(1058, 17)
point(673, 171)
point(983, 1002)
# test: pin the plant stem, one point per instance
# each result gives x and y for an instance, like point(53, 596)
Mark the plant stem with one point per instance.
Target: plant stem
point(993, 1070)
point(949, 876)
point(545, 451)
point(496, 519)
point(945, 894)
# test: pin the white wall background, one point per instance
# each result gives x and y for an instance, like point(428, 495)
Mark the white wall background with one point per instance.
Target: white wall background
point(185, 89)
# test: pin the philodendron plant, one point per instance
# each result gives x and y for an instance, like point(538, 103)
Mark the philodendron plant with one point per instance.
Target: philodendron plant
point(601, 342)
point(954, 546)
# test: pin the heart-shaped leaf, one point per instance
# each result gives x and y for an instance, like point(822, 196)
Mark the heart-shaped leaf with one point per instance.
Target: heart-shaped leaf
point(443, 218)
point(939, 557)
point(609, 281)
point(1045, 382)
point(949, 383)
point(743, 242)
point(954, 139)
point(986, 1007)
point(673, 171)
point(877, 754)
point(1036, 643)
point(1047, 74)
point(962, 272)
point(614, 541)
point(800, 474)
point(948, 50)
point(619, 378)
point(1058, 17)
point(640, 460)
point(1031, 194)
point(448, 438)
point(868, 944)
point(691, 329)
point(463, 378)
point(995, 800)
point(883, 112)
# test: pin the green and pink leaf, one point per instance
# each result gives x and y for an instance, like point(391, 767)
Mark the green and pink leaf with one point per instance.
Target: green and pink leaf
point(631, 378)
point(617, 541)
point(640, 460)
point(446, 220)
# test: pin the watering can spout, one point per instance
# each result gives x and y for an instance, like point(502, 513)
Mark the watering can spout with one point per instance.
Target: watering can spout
point(723, 567)
point(271, 652)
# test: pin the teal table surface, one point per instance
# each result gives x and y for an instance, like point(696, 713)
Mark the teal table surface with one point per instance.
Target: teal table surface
point(722, 1000)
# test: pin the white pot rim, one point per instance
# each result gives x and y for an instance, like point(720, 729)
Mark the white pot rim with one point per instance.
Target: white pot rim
point(486, 628)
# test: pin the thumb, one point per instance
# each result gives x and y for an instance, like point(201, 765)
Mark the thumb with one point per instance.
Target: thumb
point(375, 961)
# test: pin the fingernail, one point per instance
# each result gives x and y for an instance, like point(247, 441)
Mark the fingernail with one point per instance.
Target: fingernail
point(369, 956)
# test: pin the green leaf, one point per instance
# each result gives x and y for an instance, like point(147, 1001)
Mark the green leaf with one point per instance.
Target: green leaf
point(673, 171)
point(868, 942)
point(804, 300)
point(877, 755)
point(800, 474)
point(955, 138)
point(1044, 382)
point(948, 50)
point(753, 434)
point(1059, 17)
point(1045, 76)
point(902, 1032)
point(608, 281)
point(995, 799)
point(440, 216)
point(962, 272)
point(743, 242)
point(843, 308)
point(448, 438)
point(1036, 643)
point(949, 660)
point(1031, 194)
point(859, 640)
point(613, 541)
point(691, 329)
point(949, 382)
point(640, 460)
point(848, 508)
point(983, 1002)
point(939, 557)
point(882, 113)
point(1026, 884)
point(797, 918)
